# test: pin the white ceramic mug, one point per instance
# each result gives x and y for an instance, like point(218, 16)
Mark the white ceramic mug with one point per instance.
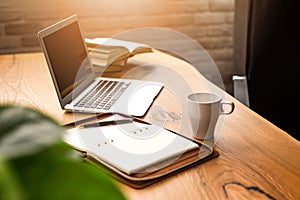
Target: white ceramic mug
point(204, 110)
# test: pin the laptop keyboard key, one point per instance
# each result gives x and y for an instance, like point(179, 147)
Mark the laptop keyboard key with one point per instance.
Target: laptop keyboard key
point(103, 95)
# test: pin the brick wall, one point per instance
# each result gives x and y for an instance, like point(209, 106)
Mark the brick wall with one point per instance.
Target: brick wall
point(209, 22)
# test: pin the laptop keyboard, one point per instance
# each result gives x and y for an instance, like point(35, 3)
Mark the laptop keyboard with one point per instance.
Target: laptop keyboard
point(103, 95)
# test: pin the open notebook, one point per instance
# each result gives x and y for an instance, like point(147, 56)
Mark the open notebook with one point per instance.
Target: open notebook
point(133, 148)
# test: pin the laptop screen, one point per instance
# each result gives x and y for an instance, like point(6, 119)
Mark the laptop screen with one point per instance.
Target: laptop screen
point(68, 57)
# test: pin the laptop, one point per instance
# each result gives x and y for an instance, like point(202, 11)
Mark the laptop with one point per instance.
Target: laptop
point(78, 87)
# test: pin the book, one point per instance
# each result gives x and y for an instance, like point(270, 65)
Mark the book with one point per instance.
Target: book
point(106, 52)
point(132, 148)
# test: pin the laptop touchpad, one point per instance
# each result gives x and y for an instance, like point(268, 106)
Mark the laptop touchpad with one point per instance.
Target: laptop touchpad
point(141, 99)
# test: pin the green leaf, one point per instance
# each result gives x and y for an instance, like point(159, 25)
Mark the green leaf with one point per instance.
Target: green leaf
point(56, 170)
point(9, 187)
point(36, 164)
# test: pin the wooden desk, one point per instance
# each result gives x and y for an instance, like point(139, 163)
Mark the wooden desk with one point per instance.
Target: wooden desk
point(257, 160)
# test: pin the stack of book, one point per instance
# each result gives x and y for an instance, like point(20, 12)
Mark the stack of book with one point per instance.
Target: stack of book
point(112, 53)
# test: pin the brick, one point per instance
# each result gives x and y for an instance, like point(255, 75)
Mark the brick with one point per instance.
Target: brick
point(31, 49)
point(2, 28)
point(209, 18)
point(216, 42)
point(140, 21)
point(230, 17)
point(40, 10)
point(225, 67)
point(152, 7)
point(222, 54)
point(9, 42)
point(102, 33)
point(40, 15)
point(10, 16)
point(221, 5)
point(192, 31)
point(157, 36)
point(174, 7)
point(182, 45)
point(196, 6)
point(22, 28)
point(29, 41)
point(88, 10)
point(134, 8)
point(181, 20)
point(121, 8)
point(98, 24)
point(201, 59)
point(156, 21)
point(220, 30)
point(4, 5)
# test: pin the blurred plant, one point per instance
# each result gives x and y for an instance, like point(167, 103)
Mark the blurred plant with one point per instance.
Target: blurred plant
point(36, 164)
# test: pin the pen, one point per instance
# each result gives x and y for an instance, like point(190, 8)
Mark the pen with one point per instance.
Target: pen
point(105, 123)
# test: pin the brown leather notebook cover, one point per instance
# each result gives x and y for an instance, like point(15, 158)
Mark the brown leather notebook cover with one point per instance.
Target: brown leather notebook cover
point(139, 181)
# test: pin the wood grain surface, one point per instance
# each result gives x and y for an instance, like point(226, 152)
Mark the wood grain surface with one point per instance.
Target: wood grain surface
point(257, 160)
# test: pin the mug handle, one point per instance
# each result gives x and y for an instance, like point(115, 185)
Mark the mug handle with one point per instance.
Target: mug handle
point(222, 111)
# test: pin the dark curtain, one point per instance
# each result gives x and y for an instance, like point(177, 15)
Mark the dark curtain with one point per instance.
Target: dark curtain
point(272, 62)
